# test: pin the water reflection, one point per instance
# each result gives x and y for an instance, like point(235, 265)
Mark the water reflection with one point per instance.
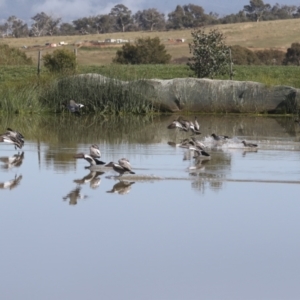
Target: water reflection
point(145, 140)
point(123, 187)
point(11, 184)
point(249, 151)
point(92, 178)
point(12, 161)
point(74, 196)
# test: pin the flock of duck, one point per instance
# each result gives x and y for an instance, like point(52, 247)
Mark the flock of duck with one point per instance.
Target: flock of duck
point(123, 166)
point(93, 158)
point(197, 147)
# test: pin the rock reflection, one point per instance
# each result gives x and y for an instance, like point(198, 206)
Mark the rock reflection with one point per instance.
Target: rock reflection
point(11, 184)
point(122, 187)
point(12, 161)
point(74, 196)
point(92, 178)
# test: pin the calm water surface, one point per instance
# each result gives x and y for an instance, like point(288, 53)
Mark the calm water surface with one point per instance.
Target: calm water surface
point(224, 229)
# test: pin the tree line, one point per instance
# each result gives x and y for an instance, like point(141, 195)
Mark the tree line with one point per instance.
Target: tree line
point(121, 19)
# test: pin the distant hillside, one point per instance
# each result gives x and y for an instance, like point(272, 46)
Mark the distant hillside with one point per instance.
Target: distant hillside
point(254, 35)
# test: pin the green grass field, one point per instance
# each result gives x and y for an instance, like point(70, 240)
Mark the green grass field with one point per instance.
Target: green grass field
point(269, 75)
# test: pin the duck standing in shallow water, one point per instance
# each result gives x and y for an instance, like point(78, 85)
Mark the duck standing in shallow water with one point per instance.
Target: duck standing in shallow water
point(73, 107)
point(12, 137)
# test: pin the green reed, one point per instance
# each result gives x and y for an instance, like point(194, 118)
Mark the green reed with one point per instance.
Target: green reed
point(98, 95)
point(20, 98)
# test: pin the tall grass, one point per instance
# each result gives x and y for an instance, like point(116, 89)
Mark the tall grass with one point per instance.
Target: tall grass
point(99, 94)
point(20, 99)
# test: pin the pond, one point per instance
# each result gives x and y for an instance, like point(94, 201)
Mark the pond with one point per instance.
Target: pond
point(225, 228)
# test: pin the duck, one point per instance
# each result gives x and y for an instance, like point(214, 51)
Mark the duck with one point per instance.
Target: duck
point(219, 137)
point(176, 124)
point(194, 130)
point(200, 153)
point(95, 151)
point(196, 124)
point(196, 142)
point(249, 145)
point(12, 137)
point(92, 160)
point(73, 107)
point(123, 166)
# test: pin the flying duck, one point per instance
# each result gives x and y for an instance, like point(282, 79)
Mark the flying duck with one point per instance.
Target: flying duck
point(219, 137)
point(95, 151)
point(12, 137)
point(123, 166)
point(92, 160)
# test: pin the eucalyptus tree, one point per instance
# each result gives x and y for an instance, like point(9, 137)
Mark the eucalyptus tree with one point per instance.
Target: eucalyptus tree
point(194, 16)
point(150, 19)
point(84, 25)
point(176, 18)
point(104, 23)
point(122, 16)
point(280, 12)
point(256, 9)
point(187, 16)
point(67, 29)
point(44, 24)
point(15, 27)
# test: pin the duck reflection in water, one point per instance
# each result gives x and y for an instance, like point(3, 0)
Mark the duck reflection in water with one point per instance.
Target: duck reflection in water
point(12, 161)
point(123, 187)
point(92, 178)
point(11, 184)
point(74, 196)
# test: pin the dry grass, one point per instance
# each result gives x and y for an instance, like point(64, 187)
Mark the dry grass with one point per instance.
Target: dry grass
point(271, 34)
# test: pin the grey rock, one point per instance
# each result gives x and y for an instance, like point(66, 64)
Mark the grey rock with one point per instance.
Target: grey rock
point(207, 95)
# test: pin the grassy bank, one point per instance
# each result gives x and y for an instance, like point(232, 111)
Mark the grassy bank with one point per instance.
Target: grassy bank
point(269, 75)
point(22, 91)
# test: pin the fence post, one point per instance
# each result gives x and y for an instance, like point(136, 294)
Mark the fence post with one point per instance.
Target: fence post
point(231, 63)
point(75, 52)
point(39, 63)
